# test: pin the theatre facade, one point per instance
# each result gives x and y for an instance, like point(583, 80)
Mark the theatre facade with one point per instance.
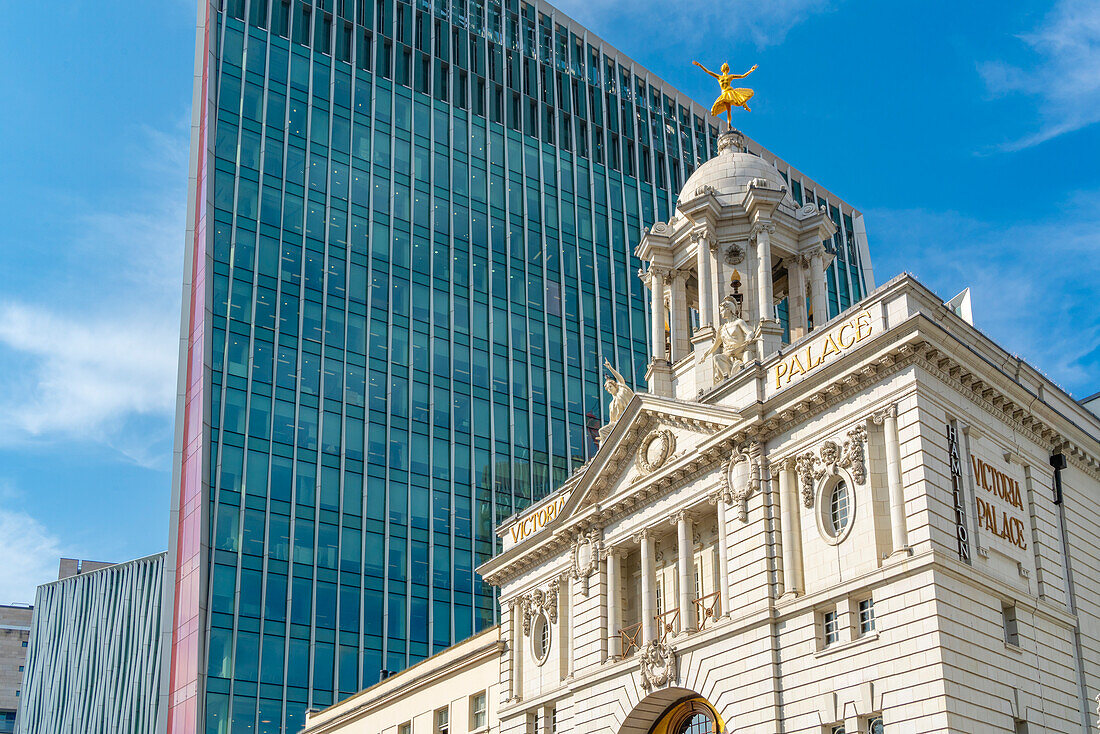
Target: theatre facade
point(881, 522)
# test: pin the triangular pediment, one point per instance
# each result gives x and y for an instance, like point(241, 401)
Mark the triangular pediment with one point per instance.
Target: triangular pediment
point(652, 434)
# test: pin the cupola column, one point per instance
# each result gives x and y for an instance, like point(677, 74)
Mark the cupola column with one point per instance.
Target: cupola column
point(761, 233)
point(685, 565)
point(817, 287)
point(678, 316)
point(705, 276)
point(796, 297)
point(657, 310)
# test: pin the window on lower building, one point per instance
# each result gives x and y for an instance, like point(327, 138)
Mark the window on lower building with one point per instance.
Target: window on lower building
point(405, 728)
point(835, 730)
point(875, 726)
point(1011, 628)
point(866, 616)
point(442, 721)
point(479, 713)
point(830, 627)
point(553, 721)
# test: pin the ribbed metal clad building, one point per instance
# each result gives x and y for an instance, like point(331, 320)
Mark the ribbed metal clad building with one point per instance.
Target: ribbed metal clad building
point(93, 663)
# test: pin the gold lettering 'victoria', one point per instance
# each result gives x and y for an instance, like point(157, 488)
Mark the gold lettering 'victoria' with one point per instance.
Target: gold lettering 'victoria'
point(538, 519)
point(820, 351)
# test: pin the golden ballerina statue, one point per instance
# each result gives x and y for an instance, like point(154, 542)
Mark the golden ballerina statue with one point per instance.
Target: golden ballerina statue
point(731, 97)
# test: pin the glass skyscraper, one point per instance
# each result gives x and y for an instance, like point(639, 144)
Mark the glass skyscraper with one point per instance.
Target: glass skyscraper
point(410, 246)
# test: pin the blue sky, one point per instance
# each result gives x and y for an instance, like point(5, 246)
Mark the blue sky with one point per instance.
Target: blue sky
point(966, 133)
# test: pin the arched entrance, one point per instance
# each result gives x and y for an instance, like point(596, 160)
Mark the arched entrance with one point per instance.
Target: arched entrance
point(673, 711)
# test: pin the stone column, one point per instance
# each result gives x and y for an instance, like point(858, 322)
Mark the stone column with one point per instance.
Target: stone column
point(678, 316)
point(818, 293)
point(796, 297)
point(614, 599)
point(888, 419)
point(685, 566)
point(517, 649)
point(790, 525)
point(649, 582)
point(761, 232)
point(723, 554)
point(705, 277)
point(657, 302)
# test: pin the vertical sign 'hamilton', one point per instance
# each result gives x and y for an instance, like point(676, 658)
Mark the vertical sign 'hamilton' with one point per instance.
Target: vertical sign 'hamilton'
point(957, 492)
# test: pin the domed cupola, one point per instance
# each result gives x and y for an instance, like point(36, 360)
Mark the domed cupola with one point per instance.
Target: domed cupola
point(732, 172)
point(736, 245)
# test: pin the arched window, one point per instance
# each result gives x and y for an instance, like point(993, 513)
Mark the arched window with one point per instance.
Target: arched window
point(698, 723)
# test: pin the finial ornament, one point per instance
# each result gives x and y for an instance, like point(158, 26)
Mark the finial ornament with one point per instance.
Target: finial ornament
point(731, 97)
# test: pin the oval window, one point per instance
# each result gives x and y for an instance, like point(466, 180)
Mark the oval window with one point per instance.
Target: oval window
point(540, 638)
point(838, 508)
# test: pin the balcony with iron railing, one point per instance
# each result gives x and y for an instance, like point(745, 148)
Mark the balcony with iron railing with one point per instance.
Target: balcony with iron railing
point(630, 639)
point(707, 609)
point(668, 623)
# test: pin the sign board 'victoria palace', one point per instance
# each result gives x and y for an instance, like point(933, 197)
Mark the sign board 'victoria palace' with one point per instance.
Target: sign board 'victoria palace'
point(888, 524)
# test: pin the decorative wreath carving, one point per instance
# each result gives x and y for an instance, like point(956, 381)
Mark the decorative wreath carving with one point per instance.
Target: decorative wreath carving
point(587, 551)
point(667, 445)
point(735, 254)
point(657, 662)
point(740, 478)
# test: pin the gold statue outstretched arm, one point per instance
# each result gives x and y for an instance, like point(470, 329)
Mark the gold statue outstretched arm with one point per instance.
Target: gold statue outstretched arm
point(742, 76)
point(716, 76)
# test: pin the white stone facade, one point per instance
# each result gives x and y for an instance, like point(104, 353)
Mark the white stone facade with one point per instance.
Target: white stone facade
point(862, 529)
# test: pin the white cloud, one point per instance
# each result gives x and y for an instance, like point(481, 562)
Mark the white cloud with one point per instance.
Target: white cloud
point(1034, 284)
point(690, 22)
point(28, 556)
point(89, 372)
point(1065, 77)
point(92, 354)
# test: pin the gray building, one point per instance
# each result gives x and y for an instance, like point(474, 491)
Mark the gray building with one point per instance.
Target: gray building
point(93, 660)
point(15, 631)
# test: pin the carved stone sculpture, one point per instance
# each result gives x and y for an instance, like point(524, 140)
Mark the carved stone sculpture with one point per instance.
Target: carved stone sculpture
point(657, 662)
point(586, 557)
point(733, 341)
point(620, 392)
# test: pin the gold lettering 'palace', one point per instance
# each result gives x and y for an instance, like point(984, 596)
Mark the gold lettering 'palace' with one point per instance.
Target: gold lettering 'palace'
point(817, 352)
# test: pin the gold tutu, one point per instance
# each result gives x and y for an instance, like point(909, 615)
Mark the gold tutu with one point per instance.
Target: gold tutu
point(731, 98)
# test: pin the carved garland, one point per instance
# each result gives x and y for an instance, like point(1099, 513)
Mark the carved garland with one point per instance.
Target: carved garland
point(667, 446)
point(830, 458)
point(538, 601)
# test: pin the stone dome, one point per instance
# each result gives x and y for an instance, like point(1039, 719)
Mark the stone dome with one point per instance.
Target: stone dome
point(731, 172)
